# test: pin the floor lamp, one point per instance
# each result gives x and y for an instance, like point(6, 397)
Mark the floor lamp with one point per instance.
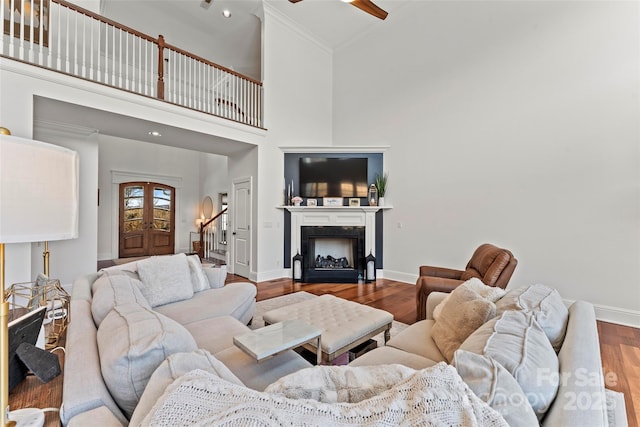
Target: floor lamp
point(38, 202)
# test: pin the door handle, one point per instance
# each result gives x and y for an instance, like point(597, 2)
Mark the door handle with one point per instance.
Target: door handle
point(234, 233)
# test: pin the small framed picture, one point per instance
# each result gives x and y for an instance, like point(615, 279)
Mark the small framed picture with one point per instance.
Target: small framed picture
point(354, 201)
point(312, 202)
point(332, 201)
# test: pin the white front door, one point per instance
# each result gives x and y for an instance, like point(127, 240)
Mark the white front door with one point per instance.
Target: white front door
point(241, 226)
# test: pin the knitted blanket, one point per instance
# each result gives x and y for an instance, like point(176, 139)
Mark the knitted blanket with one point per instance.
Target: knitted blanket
point(435, 396)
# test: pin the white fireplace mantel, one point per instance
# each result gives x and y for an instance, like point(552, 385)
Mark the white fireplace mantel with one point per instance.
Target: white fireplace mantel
point(334, 216)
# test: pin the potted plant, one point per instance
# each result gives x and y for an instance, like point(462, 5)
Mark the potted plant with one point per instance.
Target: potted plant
point(381, 185)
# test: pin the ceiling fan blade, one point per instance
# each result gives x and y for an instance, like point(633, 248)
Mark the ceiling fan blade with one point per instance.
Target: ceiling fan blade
point(369, 7)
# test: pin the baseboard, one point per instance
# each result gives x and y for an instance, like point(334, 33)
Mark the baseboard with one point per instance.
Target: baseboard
point(105, 256)
point(399, 276)
point(617, 315)
point(273, 274)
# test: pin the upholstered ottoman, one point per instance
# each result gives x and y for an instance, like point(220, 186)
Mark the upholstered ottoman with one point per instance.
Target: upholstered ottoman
point(344, 324)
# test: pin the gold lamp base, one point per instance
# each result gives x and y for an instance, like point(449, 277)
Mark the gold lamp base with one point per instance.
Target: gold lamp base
point(4, 346)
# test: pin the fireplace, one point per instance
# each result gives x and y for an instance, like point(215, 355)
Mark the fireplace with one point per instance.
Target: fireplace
point(332, 254)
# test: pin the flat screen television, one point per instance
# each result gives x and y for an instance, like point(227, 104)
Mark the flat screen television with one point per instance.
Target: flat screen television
point(333, 177)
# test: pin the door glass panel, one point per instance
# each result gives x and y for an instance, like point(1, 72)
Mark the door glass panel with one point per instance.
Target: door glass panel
point(133, 208)
point(162, 209)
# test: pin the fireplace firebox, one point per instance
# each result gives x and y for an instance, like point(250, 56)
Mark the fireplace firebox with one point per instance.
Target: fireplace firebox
point(332, 254)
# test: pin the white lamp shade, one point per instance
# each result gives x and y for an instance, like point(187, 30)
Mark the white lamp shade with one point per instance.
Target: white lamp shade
point(38, 191)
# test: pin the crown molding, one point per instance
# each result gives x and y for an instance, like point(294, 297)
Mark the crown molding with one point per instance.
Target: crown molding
point(336, 149)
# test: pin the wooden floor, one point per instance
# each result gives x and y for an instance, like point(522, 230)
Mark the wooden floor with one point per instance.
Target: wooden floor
point(619, 345)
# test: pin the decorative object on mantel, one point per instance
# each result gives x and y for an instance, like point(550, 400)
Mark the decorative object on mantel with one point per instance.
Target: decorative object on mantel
point(370, 262)
point(312, 202)
point(289, 195)
point(296, 200)
point(381, 185)
point(354, 201)
point(332, 201)
point(373, 195)
point(297, 267)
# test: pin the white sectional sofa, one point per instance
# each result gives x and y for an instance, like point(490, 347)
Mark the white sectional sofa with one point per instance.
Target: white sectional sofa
point(147, 342)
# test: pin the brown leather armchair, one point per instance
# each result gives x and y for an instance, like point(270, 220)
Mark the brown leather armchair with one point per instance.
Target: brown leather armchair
point(491, 264)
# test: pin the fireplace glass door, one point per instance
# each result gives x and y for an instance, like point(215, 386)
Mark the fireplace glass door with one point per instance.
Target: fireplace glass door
point(332, 254)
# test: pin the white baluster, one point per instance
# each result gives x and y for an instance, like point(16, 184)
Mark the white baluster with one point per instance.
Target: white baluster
point(31, 32)
point(2, 18)
point(75, 44)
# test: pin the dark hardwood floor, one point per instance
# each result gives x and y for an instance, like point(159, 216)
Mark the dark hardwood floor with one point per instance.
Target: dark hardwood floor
point(619, 345)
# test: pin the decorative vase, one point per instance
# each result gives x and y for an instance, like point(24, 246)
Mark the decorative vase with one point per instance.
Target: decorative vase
point(380, 201)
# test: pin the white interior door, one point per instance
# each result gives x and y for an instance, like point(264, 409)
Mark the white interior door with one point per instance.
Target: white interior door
point(241, 226)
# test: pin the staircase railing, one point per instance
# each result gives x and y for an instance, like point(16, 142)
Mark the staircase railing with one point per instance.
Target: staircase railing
point(63, 37)
point(213, 235)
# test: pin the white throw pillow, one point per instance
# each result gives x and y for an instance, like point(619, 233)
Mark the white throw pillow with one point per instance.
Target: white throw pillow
point(491, 382)
point(216, 275)
point(113, 288)
point(132, 342)
point(198, 279)
point(165, 279)
point(464, 312)
point(517, 342)
point(334, 384)
point(545, 304)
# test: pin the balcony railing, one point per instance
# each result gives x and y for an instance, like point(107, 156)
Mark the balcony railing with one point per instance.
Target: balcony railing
point(61, 36)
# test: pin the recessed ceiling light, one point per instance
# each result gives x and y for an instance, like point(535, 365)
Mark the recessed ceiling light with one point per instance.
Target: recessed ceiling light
point(155, 133)
point(226, 13)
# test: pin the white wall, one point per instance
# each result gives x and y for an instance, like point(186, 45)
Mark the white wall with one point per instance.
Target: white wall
point(509, 122)
point(214, 178)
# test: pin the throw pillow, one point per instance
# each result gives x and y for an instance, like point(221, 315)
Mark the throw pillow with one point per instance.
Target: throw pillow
point(173, 368)
point(198, 279)
point(545, 304)
point(216, 275)
point(517, 342)
point(490, 293)
point(132, 342)
point(165, 279)
point(491, 382)
point(464, 312)
point(333, 384)
point(113, 288)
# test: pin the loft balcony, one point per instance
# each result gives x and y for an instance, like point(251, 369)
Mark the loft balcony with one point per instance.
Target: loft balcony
point(71, 40)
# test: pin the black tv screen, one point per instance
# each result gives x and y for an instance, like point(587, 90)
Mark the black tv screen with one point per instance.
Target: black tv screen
point(333, 177)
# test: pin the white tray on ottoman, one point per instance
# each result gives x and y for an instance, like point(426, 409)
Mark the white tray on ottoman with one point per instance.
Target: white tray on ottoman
point(344, 324)
point(266, 342)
